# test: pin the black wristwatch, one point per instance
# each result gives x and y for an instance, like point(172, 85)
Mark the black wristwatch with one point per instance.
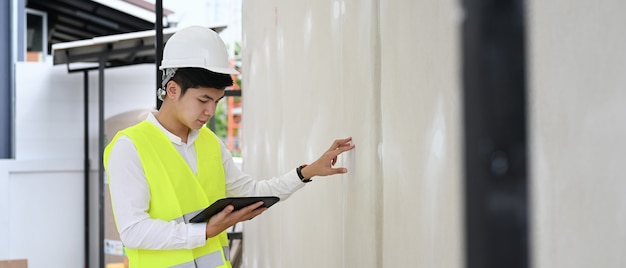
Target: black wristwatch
point(302, 178)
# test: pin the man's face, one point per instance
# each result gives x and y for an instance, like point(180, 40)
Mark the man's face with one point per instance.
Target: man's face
point(197, 106)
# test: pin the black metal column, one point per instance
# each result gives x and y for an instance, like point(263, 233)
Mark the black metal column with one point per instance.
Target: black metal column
point(86, 164)
point(101, 142)
point(158, 46)
point(496, 176)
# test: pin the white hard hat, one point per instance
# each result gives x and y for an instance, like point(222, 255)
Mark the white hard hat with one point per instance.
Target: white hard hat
point(199, 47)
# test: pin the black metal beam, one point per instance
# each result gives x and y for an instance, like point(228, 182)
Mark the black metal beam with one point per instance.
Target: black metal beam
point(109, 65)
point(232, 93)
point(495, 148)
point(108, 52)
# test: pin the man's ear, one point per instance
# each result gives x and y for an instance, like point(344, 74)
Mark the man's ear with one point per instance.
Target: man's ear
point(172, 89)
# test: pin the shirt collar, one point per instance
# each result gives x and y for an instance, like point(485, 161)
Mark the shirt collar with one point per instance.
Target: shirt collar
point(193, 134)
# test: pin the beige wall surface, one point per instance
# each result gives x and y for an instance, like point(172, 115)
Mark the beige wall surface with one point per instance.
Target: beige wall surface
point(421, 129)
point(577, 63)
point(383, 72)
point(388, 73)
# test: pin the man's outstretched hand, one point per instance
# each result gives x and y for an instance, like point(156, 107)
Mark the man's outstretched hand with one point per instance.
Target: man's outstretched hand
point(324, 165)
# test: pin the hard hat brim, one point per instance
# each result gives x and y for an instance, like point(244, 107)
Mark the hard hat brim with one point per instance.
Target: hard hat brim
point(212, 69)
point(223, 70)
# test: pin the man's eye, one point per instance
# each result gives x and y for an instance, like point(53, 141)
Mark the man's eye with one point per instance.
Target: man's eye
point(203, 101)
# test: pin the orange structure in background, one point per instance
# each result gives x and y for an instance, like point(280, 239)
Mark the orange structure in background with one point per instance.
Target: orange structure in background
point(233, 117)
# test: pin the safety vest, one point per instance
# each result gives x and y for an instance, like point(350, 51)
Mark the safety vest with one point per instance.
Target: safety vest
point(176, 194)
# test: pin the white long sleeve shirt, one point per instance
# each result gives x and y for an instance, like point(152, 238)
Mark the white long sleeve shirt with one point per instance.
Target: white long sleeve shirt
point(130, 194)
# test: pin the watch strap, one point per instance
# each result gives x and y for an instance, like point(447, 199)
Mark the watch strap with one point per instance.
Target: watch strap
point(302, 178)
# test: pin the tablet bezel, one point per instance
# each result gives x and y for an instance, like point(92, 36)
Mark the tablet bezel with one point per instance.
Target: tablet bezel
point(237, 202)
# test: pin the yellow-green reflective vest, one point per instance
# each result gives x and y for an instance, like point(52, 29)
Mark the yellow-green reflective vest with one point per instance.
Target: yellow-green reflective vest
point(176, 194)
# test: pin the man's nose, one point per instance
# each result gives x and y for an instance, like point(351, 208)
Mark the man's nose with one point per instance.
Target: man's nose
point(209, 109)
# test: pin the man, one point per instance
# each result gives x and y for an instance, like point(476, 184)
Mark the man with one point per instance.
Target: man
point(169, 167)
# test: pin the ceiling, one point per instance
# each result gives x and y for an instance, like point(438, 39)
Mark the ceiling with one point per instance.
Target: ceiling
point(71, 20)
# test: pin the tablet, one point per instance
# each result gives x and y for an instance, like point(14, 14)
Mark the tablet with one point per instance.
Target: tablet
point(237, 202)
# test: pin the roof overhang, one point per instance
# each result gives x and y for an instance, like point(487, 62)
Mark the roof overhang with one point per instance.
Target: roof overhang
point(113, 50)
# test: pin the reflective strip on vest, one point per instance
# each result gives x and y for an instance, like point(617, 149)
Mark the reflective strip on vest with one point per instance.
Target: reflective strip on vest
point(210, 260)
point(226, 253)
point(187, 217)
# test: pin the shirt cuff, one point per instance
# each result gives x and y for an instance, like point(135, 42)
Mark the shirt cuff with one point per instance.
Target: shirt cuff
point(293, 180)
point(196, 234)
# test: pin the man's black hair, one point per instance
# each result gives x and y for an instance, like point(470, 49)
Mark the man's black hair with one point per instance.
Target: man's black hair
point(197, 77)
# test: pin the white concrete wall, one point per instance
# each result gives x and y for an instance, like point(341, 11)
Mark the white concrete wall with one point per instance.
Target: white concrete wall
point(49, 106)
point(47, 173)
point(384, 72)
point(41, 204)
point(577, 85)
